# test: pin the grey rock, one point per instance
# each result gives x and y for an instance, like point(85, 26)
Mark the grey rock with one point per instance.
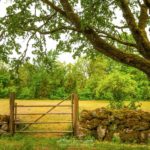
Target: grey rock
point(4, 127)
point(82, 132)
point(101, 132)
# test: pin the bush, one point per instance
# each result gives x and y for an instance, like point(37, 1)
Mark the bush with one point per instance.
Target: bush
point(144, 90)
point(85, 94)
point(25, 93)
point(117, 87)
point(4, 92)
point(59, 93)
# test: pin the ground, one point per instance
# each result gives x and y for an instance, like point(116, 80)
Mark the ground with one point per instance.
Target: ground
point(51, 141)
point(22, 142)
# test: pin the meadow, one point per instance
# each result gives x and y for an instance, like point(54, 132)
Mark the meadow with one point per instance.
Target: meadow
point(83, 104)
point(88, 104)
point(58, 141)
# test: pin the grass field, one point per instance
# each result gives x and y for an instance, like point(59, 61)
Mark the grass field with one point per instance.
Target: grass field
point(87, 104)
point(53, 141)
point(4, 109)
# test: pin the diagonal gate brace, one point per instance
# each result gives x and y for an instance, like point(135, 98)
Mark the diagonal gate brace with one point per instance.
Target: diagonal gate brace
point(44, 114)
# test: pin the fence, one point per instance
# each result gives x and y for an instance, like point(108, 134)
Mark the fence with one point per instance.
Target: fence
point(14, 113)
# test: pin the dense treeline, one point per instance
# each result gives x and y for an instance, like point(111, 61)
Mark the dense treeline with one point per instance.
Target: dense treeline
point(98, 78)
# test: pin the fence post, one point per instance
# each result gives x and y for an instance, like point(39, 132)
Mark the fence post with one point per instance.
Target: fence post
point(11, 106)
point(75, 113)
point(15, 117)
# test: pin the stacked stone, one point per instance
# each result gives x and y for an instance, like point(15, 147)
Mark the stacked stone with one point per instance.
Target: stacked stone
point(125, 125)
point(4, 124)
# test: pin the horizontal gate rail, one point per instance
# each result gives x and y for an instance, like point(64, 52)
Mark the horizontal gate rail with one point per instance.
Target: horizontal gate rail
point(43, 105)
point(45, 114)
point(44, 131)
point(42, 115)
point(1, 123)
point(43, 122)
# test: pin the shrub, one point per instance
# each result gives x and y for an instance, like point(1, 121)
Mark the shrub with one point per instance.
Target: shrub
point(117, 87)
point(4, 92)
point(25, 93)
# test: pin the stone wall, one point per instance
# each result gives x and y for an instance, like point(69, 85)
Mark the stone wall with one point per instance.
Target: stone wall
point(124, 125)
point(4, 124)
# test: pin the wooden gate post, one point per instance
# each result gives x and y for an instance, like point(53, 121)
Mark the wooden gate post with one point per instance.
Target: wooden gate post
point(11, 106)
point(75, 113)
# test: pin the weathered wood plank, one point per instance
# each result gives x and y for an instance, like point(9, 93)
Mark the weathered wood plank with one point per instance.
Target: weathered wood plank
point(43, 122)
point(43, 105)
point(11, 107)
point(45, 113)
point(44, 131)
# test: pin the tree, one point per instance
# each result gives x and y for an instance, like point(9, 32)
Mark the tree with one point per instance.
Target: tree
point(118, 86)
point(4, 80)
point(88, 26)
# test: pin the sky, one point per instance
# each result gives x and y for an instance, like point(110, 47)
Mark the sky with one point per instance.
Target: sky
point(65, 57)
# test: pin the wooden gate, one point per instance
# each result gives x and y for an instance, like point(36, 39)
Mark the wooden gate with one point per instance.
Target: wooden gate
point(14, 113)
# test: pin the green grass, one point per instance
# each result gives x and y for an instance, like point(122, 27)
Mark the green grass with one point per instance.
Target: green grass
point(20, 142)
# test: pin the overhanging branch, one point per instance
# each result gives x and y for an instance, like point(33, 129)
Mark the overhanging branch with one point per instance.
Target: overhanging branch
point(143, 19)
point(102, 46)
point(107, 35)
point(138, 34)
point(53, 6)
point(54, 30)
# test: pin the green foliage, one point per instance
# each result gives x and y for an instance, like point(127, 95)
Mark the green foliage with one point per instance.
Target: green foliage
point(4, 81)
point(121, 86)
point(4, 92)
point(25, 93)
point(38, 22)
point(98, 78)
point(117, 87)
point(85, 94)
point(59, 93)
point(116, 139)
point(35, 23)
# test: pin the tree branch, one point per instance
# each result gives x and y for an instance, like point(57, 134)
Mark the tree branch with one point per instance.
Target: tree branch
point(138, 34)
point(2, 35)
point(116, 54)
point(53, 6)
point(121, 27)
point(71, 15)
point(147, 3)
point(117, 40)
point(26, 49)
point(54, 30)
point(143, 19)
point(128, 16)
point(102, 46)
